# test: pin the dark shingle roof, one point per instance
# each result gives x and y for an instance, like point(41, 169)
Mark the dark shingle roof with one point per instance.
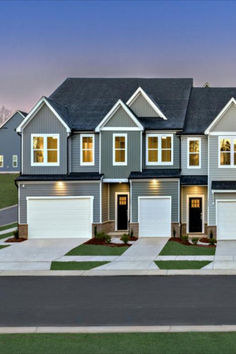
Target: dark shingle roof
point(156, 173)
point(223, 184)
point(82, 176)
point(204, 105)
point(84, 102)
point(194, 180)
point(23, 113)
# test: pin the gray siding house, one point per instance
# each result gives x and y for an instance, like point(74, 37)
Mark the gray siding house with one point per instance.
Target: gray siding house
point(10, 149)
point(156, 156)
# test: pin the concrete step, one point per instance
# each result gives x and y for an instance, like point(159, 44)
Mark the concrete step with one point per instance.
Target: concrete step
point(117, 233)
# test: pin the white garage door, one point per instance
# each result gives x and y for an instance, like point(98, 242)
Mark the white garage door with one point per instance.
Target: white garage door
point(155, 217)
point(226, 220)
point(59, 217)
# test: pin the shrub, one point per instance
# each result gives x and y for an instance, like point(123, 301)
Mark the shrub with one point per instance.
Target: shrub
point(212, 241)
point(184, 238)
point(95, 230)
point(107, 239)
point(125, 238)
point(103, 237)
point(16, 234)
point(195, 240)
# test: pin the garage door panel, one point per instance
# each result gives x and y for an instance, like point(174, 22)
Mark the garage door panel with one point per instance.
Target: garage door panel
point(226, 220)
point(59, 218)
point(155, 217)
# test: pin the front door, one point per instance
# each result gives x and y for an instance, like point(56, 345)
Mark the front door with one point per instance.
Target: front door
point(122, 212)
point(195, 214)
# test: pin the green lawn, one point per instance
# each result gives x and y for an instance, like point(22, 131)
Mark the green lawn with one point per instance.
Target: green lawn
point(96, 250)
point(128, 343)
point(177, 249)
point(9, 234)
point(4, 246)
point(9, 226)
point(75, 265)
point(181, 264)
point(8, 190)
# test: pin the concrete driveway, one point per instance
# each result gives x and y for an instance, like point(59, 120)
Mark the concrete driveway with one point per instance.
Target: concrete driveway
point(8, 215)
point(225, 256)
point(36, 254)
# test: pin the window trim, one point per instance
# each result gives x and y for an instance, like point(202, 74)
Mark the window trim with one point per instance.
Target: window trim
point(81, 150)
point(2, 161)
point(200, 152)
point(230, 137)
point(113, 149)
point(15, 161)
point(45, 136)
point(159, 162)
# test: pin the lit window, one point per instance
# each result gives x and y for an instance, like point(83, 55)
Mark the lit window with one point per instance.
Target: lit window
point(159, 149)
point(1, 161)
point(227, 151)
point(14, 161)
point(194, 153)
point(119, 149)
point(87, 149)
point(45, 150)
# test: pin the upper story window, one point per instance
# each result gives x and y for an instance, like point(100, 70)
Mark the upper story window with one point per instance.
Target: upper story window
point(87, 149)
point(1, 161)
point(194, 153)
point(159, 149)
point(227, 151)
point(14, 161)
point(119, 149)
point(45, 150)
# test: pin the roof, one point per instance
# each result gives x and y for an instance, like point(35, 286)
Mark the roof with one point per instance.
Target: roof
point(194, 180)
point(82, 176)
point(23, 115)
point(84, 102)
point(204, 105)
point(155, 173)
point(223, 185)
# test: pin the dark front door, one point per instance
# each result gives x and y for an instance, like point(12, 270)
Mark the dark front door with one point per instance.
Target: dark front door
point(195, 214)
point(122, 212)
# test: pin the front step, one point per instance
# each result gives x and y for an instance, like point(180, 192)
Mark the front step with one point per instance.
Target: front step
point(117, 233)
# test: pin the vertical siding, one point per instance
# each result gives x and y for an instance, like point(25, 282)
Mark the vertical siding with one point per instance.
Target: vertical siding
point(54, 189)
point(192, 190)
point(44, 122)
point(142, 108)
point(75, 155)
point(133, 155)
point(228, 122)
point(105, 202)
point(204, 157)
point(115, 188)
point(156, 188)
point(120, 119)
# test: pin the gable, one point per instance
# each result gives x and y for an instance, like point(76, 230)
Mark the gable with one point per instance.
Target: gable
point(13, 122)
point(142, 108)
point(120, 119)
point(227, 123)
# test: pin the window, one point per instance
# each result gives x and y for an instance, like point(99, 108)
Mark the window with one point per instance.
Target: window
point(119, 149)
point(1, 161)
point(159, 149)
point(45, 150)
point(227, 151)
point(87, 149)
point(14, 161)
point(194, 153)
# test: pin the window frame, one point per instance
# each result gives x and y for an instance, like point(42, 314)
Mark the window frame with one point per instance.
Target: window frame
point(231, 138)
point(45, 150)
point(15, 161)
point(2, 161)
point(115, 135)
point(189, 153)
point(159, 150)
point(81, 150)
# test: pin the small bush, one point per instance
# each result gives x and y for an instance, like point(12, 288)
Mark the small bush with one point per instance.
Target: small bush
point(125, 238)
point(16, 234)
point(107, 239)
point(103, 237)
point(212, 241)
point(184, 238)
point(95, 230)
point(195, 240)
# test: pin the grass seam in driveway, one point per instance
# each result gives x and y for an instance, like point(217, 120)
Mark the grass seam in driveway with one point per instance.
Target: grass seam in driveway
point(96, 250)
point(76, 265)
point(181, 264)
point(173, 248)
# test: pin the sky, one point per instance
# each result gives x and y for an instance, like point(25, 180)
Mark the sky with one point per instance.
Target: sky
point(43, 42)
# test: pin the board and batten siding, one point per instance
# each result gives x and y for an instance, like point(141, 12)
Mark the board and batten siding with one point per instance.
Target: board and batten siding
point(204, 157)
point(120, 119)
point(58, 189)
point(156, 188)
point(133, 154)
point(142, 108)
point(193, 191)
point(105, 202)
point(74, 143)
point(44, 122)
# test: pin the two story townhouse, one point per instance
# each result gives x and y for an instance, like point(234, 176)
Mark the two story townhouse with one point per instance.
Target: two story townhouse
point(156, 156)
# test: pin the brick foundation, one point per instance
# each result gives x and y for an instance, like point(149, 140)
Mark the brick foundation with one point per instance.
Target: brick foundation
point(184, 230)
point(213, 229)
point(177, 228)
point(106, 227)
point(23, 230)
point(135, 227)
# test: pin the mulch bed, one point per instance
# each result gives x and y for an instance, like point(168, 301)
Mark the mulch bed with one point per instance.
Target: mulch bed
point(187, 243)
point(13, 239)
point(94, 241)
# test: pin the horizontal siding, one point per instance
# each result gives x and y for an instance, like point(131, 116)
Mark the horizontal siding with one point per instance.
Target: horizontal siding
point(204, 157)
point(212, 205)
point(192, 190)
point(56, 189)
point(155, 188)
point(115, 188)
point(75, 155)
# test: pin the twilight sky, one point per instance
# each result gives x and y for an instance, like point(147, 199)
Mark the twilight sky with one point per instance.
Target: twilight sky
point(43, 42)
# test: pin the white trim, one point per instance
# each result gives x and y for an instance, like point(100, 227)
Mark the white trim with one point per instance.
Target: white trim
point(35, 109)
point(110, 114)
point(219, 116)
point(99, 153)
point(203, 210)
point(216, 207)
point(126, 129)
point(131, 208)
point(141, 151)
point(140, 91)
point(115, 135)
point(21, 157)
point(116, 211)
point(223, 191)
point(222, 133)
point(115, 180)
point(200, 152)
point(45, 150)
point(100, 189)
point(159, 150)
point(81, 149)
point(108, 196)
point(231, 151)
point(19, 203)
point(2, 161)
point(55, 181)
point(179, 201)
point(16, 161)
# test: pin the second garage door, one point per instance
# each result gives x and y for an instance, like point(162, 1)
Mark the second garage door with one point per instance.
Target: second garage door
point(59, 217)
point(154, 216)
point(226, 219)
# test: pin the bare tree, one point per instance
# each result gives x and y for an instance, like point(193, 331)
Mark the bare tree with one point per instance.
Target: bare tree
point(4, 114)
